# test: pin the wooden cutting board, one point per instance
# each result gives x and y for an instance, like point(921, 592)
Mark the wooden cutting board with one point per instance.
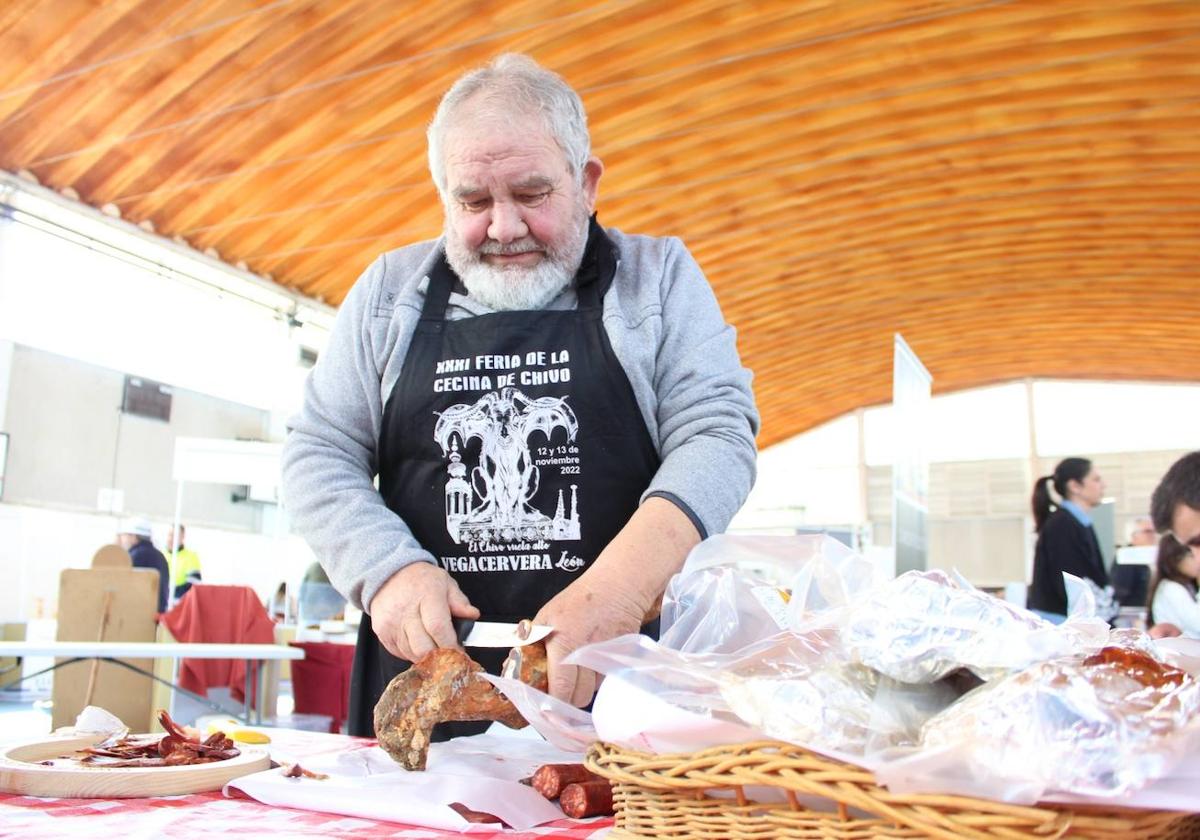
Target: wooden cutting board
point(20, 773)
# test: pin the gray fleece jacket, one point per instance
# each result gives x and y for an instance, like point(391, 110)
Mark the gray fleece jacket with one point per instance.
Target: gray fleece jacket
point(666, 330)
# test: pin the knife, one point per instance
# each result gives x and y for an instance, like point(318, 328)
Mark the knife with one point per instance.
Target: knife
point(473, 633)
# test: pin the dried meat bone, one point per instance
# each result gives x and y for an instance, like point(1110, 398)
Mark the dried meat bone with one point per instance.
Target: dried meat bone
point(447, 685)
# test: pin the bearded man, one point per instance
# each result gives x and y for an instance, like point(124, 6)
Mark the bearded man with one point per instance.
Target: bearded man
point(598, 362)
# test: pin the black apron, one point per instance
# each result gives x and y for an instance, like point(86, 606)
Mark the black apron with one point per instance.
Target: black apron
point(513, 447)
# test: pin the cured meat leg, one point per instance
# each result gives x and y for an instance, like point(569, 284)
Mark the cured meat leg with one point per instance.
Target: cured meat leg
point(446, 685)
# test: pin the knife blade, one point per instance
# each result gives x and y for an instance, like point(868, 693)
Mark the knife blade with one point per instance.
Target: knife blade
point(500, 634)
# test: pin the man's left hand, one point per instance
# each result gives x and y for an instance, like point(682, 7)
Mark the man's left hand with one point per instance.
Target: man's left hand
point(619, 593)
point(587, 611)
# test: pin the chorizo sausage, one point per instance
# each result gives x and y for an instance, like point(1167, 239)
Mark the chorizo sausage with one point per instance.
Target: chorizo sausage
point(550, 779)
point(586, 799)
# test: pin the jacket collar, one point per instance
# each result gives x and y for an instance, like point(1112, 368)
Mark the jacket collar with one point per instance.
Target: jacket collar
point(1078, 512)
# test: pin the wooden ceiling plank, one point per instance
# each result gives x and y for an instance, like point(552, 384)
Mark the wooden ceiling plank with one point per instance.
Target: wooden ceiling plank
point(122, 59)
point(277, 57)
point(385, 104)
point(42, 40)
point(983, 177)
point(389, 104)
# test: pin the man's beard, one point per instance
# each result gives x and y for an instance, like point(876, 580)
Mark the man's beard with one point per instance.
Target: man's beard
point(517, 287)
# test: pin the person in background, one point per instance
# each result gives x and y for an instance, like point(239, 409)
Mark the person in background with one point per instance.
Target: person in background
point(184, 563)
point(1142, 533)
point(136, 537)
point(319, 601)
point(1172, 598)
point(1066, 539)
point(1133, 566)
point(1175, 504)
point(277, 606)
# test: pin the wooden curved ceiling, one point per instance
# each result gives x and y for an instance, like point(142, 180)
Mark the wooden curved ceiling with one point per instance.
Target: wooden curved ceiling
point(1013, 186)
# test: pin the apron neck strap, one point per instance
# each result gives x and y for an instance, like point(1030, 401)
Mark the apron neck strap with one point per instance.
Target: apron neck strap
point(437, 296)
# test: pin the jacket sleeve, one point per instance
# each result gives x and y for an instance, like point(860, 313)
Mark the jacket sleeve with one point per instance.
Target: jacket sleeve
point(706, 415)
point(330, 463)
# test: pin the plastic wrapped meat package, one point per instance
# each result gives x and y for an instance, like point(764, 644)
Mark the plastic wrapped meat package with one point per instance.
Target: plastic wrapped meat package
point(1103, 724)
point(726, 652)
point(923, 678)
point(923, 626)
point(793, 688)
point(838, 708)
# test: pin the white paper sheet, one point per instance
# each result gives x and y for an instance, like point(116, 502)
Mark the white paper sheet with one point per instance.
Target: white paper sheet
point(636, 719)
point(480, 772)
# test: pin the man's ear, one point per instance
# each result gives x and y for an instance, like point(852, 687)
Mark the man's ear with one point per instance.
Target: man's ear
point(592, 170)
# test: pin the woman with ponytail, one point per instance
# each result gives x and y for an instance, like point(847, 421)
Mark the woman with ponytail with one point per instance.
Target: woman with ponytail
point(1066, 540)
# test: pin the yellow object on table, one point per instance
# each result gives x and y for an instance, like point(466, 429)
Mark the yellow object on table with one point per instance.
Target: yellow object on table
point(237, 731)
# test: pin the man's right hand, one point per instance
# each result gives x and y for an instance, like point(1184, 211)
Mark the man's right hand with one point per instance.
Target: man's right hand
point(411, 612)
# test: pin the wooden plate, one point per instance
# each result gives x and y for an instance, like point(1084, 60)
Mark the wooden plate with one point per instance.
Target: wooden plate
point(21, 774)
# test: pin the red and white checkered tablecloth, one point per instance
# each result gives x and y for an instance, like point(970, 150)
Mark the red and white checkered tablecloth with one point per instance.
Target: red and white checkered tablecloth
point(210, 814)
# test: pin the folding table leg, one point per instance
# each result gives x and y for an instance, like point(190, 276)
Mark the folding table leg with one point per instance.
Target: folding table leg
point(258, 692)
point(246, 707)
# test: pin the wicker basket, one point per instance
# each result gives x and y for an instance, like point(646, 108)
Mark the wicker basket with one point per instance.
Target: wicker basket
point(671, 796)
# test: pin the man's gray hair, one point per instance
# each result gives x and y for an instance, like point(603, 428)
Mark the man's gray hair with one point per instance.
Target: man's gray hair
point(515, 83)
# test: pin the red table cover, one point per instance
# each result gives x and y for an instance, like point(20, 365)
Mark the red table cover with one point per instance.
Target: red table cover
point(218, 614)
point(321, 681)
point(206, 815)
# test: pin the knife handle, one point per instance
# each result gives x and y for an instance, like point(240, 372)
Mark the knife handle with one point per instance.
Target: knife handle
point(462, 628)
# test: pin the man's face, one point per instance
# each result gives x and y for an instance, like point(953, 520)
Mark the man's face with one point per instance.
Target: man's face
point(516, 216)
point(171, 539)
point(1185, 525)
point(126, 541)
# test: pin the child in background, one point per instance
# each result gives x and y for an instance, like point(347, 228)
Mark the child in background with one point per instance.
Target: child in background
point(1172, 597)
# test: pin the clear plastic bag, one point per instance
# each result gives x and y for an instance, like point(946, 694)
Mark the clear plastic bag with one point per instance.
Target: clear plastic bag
point(790, 687)
point(693, 681)
point(866, 669)
point(923, 626)
point(563, 725)
point(841, 708)
point(735, 590)
point(1102, 724)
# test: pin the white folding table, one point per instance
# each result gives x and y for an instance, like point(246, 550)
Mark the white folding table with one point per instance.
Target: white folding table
point(117, 652)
